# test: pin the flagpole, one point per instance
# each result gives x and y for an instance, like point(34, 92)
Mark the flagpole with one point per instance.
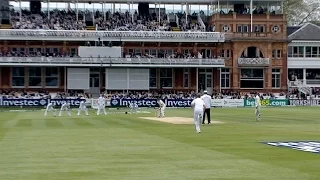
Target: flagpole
point(251, 18)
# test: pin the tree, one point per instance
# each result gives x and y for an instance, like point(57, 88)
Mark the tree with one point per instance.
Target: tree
point(301, 11)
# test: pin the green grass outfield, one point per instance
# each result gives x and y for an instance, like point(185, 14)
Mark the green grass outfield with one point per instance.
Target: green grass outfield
point(124, 147)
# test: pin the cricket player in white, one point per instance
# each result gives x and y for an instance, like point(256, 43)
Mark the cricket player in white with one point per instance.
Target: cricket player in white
point(207, 101)
point(50, 108)
point(162, 108)
point(101, 105)
point(134, 107)
point(258, 105)
point(65, 107)
point(83, 107)
point(199, 107)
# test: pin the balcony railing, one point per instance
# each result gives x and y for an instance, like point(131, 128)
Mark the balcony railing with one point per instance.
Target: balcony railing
point(81, 35)
point(253, 61)
point(119, 62)
point(255, 35)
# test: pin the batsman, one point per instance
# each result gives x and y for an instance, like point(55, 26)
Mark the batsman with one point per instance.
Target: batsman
point(162, 108)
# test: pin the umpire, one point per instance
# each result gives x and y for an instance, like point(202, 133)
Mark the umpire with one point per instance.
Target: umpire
point(207, 101)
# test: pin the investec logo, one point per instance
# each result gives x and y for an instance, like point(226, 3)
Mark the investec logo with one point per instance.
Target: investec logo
point(59, 102)
point(23, 102)
point(140, 102)
point(178, 103)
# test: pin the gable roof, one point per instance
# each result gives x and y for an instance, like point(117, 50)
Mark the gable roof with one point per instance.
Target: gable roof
point(292, 29)
point(308, 32)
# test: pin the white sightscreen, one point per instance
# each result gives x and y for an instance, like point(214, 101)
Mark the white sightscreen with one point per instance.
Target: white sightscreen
point(127, 78)
point(138, 79)
point(86, 51)
point(78, 78)
point(116, 78)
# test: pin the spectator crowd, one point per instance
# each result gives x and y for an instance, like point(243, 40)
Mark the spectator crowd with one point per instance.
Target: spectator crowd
point(118, 21)
point(227, 94)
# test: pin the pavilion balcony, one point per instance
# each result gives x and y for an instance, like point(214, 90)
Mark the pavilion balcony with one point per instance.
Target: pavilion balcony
point(110, 62)
point(130, 36)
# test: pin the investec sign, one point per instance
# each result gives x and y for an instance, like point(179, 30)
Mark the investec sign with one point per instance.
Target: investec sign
point(307, 102)
point(38, 102)
point(151, 102)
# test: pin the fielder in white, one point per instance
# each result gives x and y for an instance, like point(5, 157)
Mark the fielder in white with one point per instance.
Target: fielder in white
point(199, 107)
point(258, 105)
point(162, 108)
point(65, 107)
point(83, 107)
point(101, 105)
point(134, 107)
point(50, 108)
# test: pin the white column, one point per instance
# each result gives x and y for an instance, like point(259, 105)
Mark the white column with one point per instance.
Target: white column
point(132, 9)
point(77, 10)
point(104, 13)
point(251, 16)
point(48, 2)
point(304, 76)
point(20, 11)
point(65, 79)
point(187, 10)
point(159, 15)
point(114, 7)
point(197, 80)
point(93, 13)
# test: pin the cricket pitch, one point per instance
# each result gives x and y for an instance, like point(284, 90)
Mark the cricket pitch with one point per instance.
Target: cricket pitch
point(176, 120)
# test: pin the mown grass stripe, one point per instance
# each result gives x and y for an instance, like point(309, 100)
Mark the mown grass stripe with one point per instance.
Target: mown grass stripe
point(24, 123)
point(53, 123)
point(67, 122)
point(11, 123)
point(38, 123)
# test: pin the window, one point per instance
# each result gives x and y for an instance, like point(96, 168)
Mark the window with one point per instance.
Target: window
point(308, 51)
point(186, 77)
point(31, 51)
point(166, 77)
point(18, 77)
point(170, 51)
point(239, 29)
point(138, 52)
point(153, 78)
point(48, 50)
point(279, 53)
point(226, 28)
point(73, 51)
point(276, 53)
point(52, 77)
point(154, 52)
point(276, 78)
point(225, 78)
point(55, 50)
point(245, 28)
point(315, 52)
point(252, 78)
point(94, 80)
point(262, 28)
point(35, 76)
point(296, 51)
point(226, 53)
point(131, 52)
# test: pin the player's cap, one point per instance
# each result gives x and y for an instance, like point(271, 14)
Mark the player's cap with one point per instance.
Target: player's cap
point(205, 92)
